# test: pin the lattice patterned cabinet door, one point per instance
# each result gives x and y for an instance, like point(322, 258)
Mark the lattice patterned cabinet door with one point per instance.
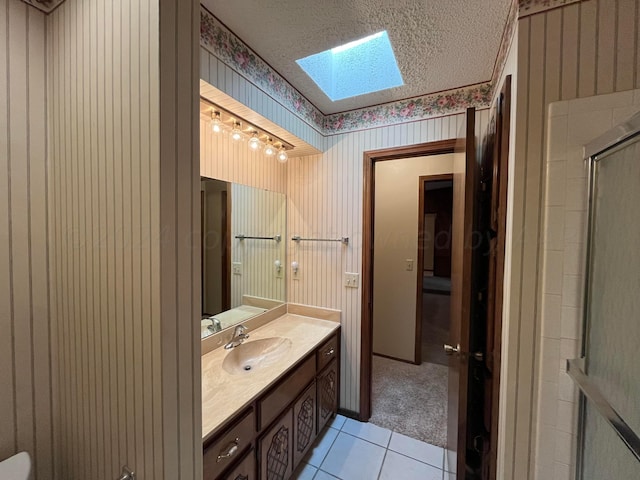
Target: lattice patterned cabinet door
point(304, 423)
point(276, 450)
point(327, 394)
point(246, 469)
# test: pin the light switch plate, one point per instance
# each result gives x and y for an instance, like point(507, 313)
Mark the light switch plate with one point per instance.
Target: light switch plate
point(237, 268)
point(409, 264)
point(351, 280)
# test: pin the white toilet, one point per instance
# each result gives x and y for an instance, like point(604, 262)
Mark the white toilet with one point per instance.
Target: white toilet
point(17, 467)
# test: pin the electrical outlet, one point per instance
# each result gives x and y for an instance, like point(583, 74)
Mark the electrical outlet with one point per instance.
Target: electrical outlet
point(408, 265)
point(351, 280)
point(237, 268)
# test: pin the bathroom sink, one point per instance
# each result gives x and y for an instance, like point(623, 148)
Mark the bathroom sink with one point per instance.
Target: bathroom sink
point(255, 355)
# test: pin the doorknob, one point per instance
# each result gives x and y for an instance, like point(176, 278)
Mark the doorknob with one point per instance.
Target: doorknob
point(449, 350)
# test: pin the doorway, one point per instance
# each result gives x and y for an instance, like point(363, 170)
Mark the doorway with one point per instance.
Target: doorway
point(434, 262)
point(409, 396)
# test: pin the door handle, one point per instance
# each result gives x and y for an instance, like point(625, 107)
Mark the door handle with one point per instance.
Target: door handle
point(449, 350)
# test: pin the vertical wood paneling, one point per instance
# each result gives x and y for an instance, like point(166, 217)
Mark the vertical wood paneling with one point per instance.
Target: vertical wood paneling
point(607, 52)
point(179, 255)
point(626, 44)
point(25, 346)
point(257, 212)
point(325, 200)
point(597, 47)
point(126, 394)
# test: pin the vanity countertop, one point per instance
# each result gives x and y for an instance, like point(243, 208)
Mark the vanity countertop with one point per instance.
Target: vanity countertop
point(224, 394)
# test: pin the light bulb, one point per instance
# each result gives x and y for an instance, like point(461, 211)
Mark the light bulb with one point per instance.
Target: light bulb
point(269, 149)
point(282, 155)
point(216, 124)
point(235, 133)
point(254, 141)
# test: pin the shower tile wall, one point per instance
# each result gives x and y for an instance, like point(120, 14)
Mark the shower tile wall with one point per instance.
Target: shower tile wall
point(571, 125)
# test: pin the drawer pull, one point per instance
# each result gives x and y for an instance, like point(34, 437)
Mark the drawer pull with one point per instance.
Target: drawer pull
point(231, 450)
point(329, 352)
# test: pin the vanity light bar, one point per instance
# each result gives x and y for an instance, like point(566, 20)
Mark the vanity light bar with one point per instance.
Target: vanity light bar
point(229, 120)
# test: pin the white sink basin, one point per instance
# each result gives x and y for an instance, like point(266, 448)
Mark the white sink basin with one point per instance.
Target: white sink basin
point(255, 355)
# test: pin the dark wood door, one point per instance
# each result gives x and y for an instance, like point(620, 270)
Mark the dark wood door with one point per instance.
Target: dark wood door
point(487, 293)
point(464, 192)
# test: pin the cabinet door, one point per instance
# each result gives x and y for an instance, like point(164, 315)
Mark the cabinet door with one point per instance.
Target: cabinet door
point(276, 450)
point(327, 394)
point(304, 423)
point(246, 469)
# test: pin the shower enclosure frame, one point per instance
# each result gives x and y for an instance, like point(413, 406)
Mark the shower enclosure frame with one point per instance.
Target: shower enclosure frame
point(615, 139)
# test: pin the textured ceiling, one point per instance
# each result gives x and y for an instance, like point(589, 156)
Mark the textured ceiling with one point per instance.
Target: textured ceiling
point(439, 44)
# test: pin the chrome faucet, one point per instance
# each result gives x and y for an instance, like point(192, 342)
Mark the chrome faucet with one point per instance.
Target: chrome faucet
point(238, 337)
point(215, 326)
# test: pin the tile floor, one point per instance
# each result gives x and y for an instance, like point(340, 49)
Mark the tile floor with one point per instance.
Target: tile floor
point(352, 450)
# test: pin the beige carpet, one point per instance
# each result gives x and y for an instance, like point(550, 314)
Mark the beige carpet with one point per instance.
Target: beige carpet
point(410, 399)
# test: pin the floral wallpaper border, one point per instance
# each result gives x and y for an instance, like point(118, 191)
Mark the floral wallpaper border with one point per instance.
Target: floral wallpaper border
point(46, 6)
point(418, 108)
point(530, 7)
point(222, 43)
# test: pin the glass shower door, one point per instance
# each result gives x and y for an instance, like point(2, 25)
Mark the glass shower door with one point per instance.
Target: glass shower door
point(608, 374)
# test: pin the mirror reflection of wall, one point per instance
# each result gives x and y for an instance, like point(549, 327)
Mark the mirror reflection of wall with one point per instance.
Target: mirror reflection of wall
point(240, 274)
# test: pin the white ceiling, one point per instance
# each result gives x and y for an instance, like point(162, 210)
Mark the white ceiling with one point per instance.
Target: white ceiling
point(439, 44)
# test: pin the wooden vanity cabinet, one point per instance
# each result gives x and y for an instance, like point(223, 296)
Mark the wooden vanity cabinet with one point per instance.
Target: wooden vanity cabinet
point(304, 423)
point(282, 424)
point(327, 394)
point(229, 446)
point(245, 470)
point(276, 450)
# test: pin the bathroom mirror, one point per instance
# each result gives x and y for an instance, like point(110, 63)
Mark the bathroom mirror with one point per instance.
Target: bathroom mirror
point(243, 252)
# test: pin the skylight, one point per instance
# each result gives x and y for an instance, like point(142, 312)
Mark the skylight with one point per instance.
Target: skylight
point(363, 66)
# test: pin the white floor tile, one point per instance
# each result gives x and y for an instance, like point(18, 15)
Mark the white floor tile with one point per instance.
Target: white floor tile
point(324, 476)
point(351, 458)
point(398, 466)
point(304, 472)
point(319, 450)
point(337, 422)
point(417, 450)
point(367, 431)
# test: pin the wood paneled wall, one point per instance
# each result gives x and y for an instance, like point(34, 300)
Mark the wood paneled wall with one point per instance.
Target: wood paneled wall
point(583, 49)
point(325, 200)
point(257, 212)
point(123, 208)
point(25, 333)
point(180, 268)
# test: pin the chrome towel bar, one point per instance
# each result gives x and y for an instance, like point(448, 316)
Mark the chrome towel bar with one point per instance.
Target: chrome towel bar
point(276, 238)
point(297, 238)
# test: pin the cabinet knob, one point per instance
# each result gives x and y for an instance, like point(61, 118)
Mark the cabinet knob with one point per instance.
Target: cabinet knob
point(329, 352)
point(231, 450)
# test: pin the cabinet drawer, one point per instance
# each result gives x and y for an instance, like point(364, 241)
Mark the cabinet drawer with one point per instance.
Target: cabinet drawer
point(276, 455)
point(227, 449)
point(327, 352)
point(327, 394)
point(246, 469)
point(304, 423)
point(286, 392)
